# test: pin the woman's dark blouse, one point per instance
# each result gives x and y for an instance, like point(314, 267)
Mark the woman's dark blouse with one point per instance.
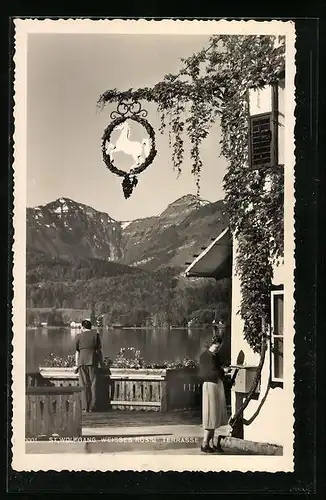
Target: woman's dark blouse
point(210, 368)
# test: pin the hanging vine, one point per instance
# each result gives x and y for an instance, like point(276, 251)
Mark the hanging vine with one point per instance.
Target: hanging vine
point(215, 85)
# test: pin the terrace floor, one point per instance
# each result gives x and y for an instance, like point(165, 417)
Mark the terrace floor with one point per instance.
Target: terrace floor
point(125, 418)
point(132, 432)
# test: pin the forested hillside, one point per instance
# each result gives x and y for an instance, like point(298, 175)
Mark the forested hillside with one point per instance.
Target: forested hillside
point(42, 268)
point(128, 272)
point(137, 298)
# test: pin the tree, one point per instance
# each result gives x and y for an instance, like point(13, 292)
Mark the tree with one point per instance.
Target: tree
point(203, 316)
point(93, 314)
point(132, 298)
point(215, 84)
point(55, 318)
point(30, 317)
point(165, 293)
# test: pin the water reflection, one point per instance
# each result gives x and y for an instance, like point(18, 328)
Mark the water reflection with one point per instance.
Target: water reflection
point(157, 345)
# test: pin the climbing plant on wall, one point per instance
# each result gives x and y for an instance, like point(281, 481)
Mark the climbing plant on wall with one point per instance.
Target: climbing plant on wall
point(213, 84)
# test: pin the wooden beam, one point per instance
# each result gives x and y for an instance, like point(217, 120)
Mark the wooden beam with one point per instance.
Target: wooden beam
point(140, 376)
point(135, 403)
point(51, 391)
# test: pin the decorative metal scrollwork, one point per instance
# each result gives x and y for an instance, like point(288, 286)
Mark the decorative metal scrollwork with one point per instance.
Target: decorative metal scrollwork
point(132, 109)
point(143, 152)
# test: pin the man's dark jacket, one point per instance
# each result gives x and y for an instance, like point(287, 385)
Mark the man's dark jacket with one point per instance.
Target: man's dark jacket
point(88, 345)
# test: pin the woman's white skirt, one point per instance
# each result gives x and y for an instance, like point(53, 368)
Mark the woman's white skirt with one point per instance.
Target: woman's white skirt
point(214, 405)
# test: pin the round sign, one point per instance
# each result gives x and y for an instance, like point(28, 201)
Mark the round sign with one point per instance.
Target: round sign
point(134, 149)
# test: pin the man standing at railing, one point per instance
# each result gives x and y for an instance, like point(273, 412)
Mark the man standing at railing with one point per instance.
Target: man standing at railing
point(88, 358)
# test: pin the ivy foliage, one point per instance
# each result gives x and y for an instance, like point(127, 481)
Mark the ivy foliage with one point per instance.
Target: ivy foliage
point(213, 84)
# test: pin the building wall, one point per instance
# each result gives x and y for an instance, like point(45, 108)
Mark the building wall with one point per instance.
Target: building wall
point(260, 101)
point(268, 424)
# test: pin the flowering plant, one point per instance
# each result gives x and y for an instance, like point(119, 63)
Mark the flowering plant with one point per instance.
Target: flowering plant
point(173, 365)
point(132, 358)
point(59, 362)
point(129, 357)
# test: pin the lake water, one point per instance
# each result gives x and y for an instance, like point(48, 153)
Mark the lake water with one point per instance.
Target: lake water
point(155, 344)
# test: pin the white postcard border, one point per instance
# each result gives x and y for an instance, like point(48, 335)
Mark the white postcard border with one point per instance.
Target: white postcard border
point(140, 462)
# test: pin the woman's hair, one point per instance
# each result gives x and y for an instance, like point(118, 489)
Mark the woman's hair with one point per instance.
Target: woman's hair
point(217, 339)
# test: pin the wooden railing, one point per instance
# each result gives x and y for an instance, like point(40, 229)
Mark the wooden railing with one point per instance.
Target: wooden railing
point(138, 389)
point(53, 411)
point(183, 389)
point(53, 397)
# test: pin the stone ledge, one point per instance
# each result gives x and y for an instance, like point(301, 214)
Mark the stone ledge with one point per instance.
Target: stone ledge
point(249, 447)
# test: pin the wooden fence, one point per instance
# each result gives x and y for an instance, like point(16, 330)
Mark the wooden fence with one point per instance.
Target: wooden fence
point(53, 396)
point(141, 389)
point(53, 411)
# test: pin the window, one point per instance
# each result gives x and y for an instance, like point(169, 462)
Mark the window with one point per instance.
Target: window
point(263, 136)
point(277, 311)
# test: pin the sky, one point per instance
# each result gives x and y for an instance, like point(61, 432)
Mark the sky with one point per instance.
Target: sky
point(66, 74)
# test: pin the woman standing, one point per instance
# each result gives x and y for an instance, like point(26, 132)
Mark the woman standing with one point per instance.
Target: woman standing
point(214, 405)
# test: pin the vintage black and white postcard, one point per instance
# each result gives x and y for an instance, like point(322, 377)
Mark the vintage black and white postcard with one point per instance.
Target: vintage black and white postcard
point(153, 310)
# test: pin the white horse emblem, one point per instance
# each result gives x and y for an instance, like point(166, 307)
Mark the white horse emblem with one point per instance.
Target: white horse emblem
point(138, 150)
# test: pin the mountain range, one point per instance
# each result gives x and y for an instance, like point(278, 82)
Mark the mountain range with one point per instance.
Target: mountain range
point(129, 271)
point(65, 229)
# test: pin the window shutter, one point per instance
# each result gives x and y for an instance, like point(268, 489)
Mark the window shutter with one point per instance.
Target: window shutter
point(263, 142)
point(261, 136)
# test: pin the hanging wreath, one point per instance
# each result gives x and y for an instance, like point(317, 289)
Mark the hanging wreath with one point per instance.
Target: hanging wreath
point(129, 178)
